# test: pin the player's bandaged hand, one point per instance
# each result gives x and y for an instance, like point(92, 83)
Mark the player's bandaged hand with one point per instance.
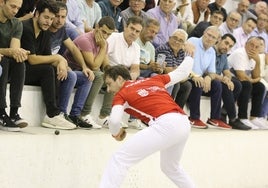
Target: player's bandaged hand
point(121, 135)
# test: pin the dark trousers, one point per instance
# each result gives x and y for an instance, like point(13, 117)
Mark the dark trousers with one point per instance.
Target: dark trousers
point(14, 73)
point(215, 100)
point(183, 93)
point(256, 91)
point(229, 97)
point(44, 76)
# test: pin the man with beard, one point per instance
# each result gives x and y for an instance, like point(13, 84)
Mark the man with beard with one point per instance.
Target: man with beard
point(41, 64)
point(80, 77)
point(12, 64)
point(204, 80)
point(231, 86)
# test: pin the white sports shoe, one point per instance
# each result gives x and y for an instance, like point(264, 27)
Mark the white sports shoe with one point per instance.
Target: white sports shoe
point(260, 122)
point(247, 122)
point(135, 124)
point(88, 118)
point(103, 122)
point(57, 122)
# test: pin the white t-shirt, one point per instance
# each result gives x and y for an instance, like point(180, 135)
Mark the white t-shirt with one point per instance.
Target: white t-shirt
point(120, 53)
point(238, 60)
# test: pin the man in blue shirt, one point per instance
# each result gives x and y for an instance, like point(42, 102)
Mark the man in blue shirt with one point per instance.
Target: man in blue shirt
point(203, 81)
point(231, 86)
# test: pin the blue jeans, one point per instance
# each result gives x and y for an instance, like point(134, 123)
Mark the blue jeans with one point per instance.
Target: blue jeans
point(80, 81)
point(264, 109)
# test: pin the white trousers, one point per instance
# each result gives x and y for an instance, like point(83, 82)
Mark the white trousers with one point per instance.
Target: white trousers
point(167, 134)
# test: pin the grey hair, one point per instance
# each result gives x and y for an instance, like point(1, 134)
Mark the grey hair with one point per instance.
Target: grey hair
point(180, 31)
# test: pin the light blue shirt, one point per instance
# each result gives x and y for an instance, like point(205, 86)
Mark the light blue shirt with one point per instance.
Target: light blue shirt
point(204, 60)
point(0, 70)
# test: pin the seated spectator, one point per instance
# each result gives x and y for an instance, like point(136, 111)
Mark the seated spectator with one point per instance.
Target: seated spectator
point(41, 64)
point(80, 78)
point(74, 23)
point(27, 10)
point(216, 19)
point(264, 77)
point(203, 80)
point(111, 8)
point(134, 9)
point(183, 10)
point(12, 67)
point(123, 50)
point(260, 30)
point(259, 8)
point(91, 13)
point(93, 47)
point(200, 10)
point(243, 32)
point(218, 5)
point(174, 56)
point(243, 10)
point(245, 63)
point(167, 19)
point(231, 86)
point(231, 23)
point(148, 66)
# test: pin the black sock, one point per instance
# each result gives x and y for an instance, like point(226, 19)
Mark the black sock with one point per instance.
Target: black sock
point(2, 111)
point(13, 111)
point(232, 120)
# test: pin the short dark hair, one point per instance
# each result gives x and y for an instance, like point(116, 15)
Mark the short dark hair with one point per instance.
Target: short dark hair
point(60, 5)
point(230, 36)
point(151, 21)
point(135, 20)
point(117, 70)
point(108, 21)
point(252, 19)
point(46, 4)
point(217, 12)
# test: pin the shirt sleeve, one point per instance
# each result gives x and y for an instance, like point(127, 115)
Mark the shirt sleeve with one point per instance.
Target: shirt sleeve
point(181, 72)
point(115, 119)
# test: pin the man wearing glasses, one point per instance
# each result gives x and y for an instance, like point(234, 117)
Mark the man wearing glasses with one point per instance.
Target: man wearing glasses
point(204, 82)
point(231, 23)
point(175, 54)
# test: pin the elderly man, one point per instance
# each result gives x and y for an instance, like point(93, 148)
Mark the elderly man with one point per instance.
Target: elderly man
point(245, 64)
point(262, 23)
point(175, 54)
point(168, 20)
point(260, 8)
point(231, 23)
point(243, 10)
point(203, 80)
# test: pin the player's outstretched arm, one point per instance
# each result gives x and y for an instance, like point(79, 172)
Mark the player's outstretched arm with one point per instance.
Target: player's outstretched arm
point(182, 71)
